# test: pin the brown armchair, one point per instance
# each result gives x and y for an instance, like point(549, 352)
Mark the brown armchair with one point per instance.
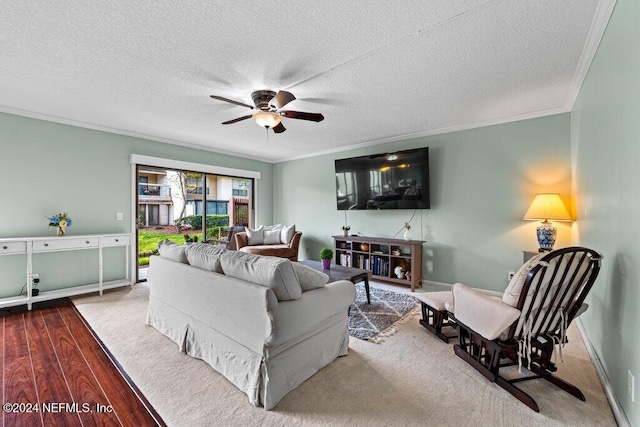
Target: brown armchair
point(289, 251)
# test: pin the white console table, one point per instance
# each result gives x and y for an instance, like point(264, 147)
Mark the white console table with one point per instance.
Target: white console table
point(36, 245)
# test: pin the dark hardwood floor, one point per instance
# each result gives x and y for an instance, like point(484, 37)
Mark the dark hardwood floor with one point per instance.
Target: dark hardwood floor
point(56, 372)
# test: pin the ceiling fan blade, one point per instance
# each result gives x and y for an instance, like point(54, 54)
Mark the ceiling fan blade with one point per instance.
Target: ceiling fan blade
point(280, 128)
point(237, 120)
point(313, 117)
point(219, 98)
point(281, 99)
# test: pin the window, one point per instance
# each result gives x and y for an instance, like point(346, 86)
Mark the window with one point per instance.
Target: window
point(241, 187)
point(214, 207)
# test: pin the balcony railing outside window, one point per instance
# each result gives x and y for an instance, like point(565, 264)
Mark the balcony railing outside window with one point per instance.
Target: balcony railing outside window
point(239, 192)
point(154, 190)
point(196, 190)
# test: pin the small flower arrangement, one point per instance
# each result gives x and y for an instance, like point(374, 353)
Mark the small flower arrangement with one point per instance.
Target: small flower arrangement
point(346, 228)
point(407, 226)
point(61, 221)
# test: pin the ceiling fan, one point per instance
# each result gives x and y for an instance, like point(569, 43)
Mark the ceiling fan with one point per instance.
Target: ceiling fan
point(267, 111)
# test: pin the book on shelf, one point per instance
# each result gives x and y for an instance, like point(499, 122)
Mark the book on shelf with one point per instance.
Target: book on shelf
point(345, 260)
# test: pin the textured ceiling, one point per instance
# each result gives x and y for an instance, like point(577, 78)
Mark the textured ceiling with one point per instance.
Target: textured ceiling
point(378, 71)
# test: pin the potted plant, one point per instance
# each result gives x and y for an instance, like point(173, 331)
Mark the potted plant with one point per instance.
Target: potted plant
point(345, 230)
point(326, 255)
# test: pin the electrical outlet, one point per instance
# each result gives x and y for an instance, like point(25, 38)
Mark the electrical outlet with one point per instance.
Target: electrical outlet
point(510, 275)
point(119, 216)
point(631, 385)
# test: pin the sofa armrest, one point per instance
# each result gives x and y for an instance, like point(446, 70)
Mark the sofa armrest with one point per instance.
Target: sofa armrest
point(294, 321)
point(295, 241)
point(294, 244)
point(485, 314)
point(241, 239)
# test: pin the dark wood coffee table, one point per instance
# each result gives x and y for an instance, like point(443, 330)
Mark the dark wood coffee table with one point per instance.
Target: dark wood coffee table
point(338, 272)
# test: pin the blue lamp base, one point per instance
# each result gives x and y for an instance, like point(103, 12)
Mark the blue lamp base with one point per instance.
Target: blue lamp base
point(546, 236)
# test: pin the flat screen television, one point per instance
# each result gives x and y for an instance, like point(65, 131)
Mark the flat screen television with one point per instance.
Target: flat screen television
point(396, 180)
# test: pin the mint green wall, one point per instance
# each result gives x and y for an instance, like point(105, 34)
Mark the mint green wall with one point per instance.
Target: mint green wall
point(482, 182)
point(605, 125)
point(49, 168)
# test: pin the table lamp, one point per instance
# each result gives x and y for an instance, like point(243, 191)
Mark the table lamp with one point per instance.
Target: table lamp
point(545, 207)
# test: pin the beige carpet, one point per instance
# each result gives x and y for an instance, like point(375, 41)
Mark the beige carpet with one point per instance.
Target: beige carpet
point(411, 379)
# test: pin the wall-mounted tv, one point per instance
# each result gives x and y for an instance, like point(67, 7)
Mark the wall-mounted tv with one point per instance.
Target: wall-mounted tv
point(396, 180)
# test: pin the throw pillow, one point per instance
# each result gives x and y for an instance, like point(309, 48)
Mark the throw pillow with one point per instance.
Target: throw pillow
point(205, 256)
point(286, 234)
point(514, 289)
point(272, 234)
point(271, 272)
point(309, 278)
point(255, 237)
point(173, 251)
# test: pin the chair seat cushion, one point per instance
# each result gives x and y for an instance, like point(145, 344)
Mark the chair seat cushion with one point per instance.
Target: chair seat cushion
point(435, 300)
point(485, 314)
point(282, 251)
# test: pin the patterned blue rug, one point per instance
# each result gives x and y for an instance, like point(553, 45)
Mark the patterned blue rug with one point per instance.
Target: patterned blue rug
point(380, 318)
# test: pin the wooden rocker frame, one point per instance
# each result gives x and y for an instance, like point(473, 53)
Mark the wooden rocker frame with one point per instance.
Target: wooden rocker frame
point(489, 356)
point(434, 320)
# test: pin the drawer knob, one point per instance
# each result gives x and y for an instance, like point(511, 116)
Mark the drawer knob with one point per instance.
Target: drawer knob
point(117, 240)
point(87, 242)
point(46, 244)
point(5, 247)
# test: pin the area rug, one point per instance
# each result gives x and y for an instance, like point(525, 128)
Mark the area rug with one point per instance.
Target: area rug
point(382, 317)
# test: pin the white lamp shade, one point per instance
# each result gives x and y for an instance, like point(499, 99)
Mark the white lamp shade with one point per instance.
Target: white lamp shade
point(547, 206)
point(267, 119)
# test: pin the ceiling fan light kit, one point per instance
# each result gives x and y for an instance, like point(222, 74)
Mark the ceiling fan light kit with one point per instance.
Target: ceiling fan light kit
point(267, 113)
point(266, 119)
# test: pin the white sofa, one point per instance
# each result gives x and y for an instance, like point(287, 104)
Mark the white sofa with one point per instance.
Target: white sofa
point(254, 324)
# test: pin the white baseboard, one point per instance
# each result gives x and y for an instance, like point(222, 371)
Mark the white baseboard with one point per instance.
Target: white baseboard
point(616, 408)
point(436, 284)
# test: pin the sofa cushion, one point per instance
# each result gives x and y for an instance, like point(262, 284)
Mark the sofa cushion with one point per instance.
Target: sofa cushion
point(272, 234)
point(514, 289)
point(282, 251)
point(309, 278)
point(286, 234)
point(255, 237)
point(274, 273)
point(205, 256)
point(173, 251)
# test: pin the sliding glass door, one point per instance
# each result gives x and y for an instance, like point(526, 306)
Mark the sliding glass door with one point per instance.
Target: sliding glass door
point(188, 206)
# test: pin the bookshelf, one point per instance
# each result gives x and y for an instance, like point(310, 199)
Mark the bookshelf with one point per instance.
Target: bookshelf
point(381, 256)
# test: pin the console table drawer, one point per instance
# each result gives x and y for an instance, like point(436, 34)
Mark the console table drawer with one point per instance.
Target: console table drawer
point(13, 248)
point(109, 241)
point(65, 244)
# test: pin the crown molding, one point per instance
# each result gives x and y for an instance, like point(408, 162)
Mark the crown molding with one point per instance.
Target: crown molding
point(457, 128)
point(596, 32)
point(117, 131)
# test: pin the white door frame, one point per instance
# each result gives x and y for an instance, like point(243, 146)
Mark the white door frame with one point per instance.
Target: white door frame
point(159, 162)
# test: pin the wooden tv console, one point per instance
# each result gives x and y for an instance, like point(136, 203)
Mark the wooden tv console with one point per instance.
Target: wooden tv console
point(381, 256)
